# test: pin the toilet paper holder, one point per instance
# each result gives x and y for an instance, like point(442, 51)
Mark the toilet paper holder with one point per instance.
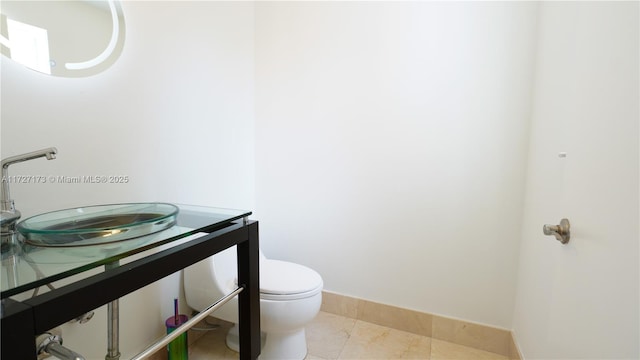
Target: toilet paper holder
point(561, 232)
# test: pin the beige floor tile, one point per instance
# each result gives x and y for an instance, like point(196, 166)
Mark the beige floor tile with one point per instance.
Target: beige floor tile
point(312, 357)
point(327, 335)
point(370, 341)
point(212, 345)
point(331, 337)
point(443, 350)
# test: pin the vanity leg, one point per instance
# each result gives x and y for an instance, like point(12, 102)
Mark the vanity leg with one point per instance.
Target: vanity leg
point(18, 332)
point(249, 298)
point(113, 323)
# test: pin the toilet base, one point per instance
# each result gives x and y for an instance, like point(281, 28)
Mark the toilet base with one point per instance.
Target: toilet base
point(233, 338)
point(276, 346)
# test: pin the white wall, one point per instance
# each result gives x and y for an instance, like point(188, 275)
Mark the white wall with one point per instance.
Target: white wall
point(390, 148)
point(580, 300)
point(175, 114)
point(391, 143)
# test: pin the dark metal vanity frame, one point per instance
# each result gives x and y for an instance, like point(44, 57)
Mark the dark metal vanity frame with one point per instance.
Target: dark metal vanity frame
point(22, 321)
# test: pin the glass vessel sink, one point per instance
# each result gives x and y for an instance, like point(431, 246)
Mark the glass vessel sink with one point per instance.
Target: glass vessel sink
point(96, 225)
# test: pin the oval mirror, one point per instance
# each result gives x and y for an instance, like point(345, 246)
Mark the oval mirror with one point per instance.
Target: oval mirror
point(62, 38)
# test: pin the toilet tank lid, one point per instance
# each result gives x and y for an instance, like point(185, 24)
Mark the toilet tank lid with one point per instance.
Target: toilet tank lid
point(282, 278)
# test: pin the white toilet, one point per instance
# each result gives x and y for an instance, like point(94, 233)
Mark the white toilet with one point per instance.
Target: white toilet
point(290, 297)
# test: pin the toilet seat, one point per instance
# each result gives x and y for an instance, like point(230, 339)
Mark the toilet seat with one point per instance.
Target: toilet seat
point(284, 297)
point(282, 280)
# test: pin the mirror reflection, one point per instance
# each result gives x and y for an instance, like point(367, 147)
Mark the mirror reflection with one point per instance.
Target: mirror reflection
point(62, 38)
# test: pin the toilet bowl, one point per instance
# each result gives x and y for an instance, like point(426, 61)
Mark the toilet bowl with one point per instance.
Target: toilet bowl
point(290, 297)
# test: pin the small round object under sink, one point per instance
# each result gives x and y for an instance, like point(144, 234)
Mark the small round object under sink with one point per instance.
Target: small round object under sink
point(98, 224)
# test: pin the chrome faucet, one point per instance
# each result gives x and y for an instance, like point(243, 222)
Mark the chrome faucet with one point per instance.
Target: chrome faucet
point(9, 213)
point(51, 344)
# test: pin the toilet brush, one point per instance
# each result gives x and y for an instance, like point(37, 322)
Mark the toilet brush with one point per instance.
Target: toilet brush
point(178, 349)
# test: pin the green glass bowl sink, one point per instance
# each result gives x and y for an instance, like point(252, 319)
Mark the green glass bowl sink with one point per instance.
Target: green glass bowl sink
point(96, 225)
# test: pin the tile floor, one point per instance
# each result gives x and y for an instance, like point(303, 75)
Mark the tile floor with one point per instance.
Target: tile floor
point(332, 336)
